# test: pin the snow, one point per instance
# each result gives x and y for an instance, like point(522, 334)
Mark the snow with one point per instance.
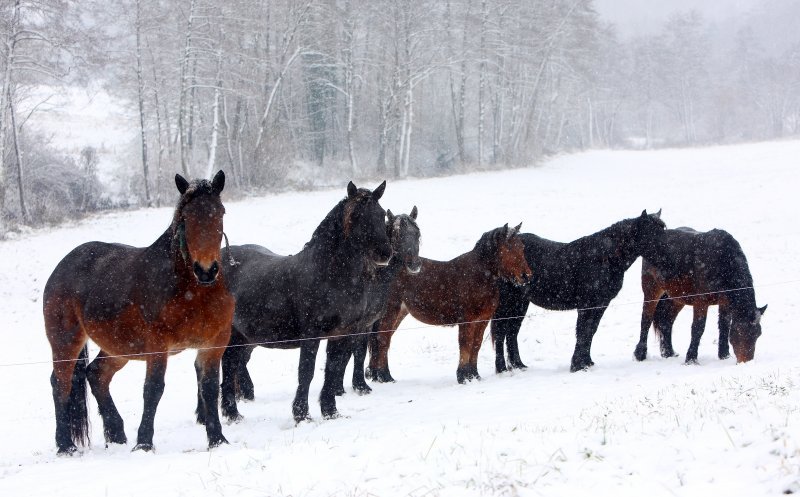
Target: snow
point(623, 428)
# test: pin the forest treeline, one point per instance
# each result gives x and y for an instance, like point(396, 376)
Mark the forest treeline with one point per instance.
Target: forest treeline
point(280, 92)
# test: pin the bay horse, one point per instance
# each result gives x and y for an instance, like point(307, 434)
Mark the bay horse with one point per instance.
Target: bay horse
point(462, 291)
point(145, 304)
point(404, 236)
point(700, 270)
point(585, 274)
point(295, 301)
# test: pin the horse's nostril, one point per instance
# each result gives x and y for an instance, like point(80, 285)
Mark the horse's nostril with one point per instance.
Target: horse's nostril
point(206, 276)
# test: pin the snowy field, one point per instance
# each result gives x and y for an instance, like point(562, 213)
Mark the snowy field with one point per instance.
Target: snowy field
point(655, 428)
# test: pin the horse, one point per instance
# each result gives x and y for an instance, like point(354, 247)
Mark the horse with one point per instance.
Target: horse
point(585, 274)
point(145, 304)
point(700, 270)
point(404, 236)
point(463, 291)
point(295, 301)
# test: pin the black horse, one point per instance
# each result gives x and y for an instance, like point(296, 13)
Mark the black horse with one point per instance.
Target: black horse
point(404, 236)
point(700, 270)
point(321, 292)
point(585, 274)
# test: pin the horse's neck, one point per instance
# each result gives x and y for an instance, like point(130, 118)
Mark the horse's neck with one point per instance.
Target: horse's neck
point(165, 253)
point(334, 260)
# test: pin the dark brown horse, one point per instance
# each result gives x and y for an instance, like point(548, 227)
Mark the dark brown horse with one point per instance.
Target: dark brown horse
point(700, 270)
point(140, 303)
point(461, 291)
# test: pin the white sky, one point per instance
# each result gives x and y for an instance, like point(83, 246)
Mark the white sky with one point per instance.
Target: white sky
point(638, 17)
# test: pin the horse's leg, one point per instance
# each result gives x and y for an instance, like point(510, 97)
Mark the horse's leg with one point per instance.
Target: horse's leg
point(244, 383)
point(698, 326)
point(477, 340)
point(359, 356)
point(305, 373)
point(153, 390)
point(331, 351)
point(506, 323)
point(338, 353)
point(208, 363)
point(233, 363)
point(666, 312)
point(724, 332)
point(68, 380)
point(468, 341)
point(100, 373)
point(379, 344)
point(651, 295)
point(585, 328)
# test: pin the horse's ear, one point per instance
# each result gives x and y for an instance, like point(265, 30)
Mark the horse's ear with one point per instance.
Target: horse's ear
point(413, 214)
point(514, 230)
point(644, 213)
point(378, 192)
point(658, 214)
point(218, 183)
point(351, 189)
point(759, 312)
point(389, 215)
point(181, 183)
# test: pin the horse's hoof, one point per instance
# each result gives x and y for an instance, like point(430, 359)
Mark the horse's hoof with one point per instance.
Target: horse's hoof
point(692, 362)
point(144, 448)
point(722, 357)
point(234, 418)
point(331, 415)
point(362, 389)
point(382, 376)
point(68, 451)
point(580, 367)
point(303, 419)
point(116, 438)
point(640, 354)
point(212, 444)
point(518, 365)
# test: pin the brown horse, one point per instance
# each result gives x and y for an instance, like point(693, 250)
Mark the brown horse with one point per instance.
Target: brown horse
point(700, 270)
point(463, 291)
point(140, 303)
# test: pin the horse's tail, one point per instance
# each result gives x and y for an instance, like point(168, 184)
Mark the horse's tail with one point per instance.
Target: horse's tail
point(77, 406)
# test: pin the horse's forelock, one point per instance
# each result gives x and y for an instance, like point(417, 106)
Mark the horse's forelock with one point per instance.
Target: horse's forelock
point(195, 188)
point(350, 202)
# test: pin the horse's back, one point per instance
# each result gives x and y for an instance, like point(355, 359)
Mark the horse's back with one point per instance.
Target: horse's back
point(709, 259)
point(102, 279)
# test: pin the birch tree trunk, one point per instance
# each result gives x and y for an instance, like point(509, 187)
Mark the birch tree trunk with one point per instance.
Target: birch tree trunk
point(140, 85)
point(183, 135)
point(10, 42)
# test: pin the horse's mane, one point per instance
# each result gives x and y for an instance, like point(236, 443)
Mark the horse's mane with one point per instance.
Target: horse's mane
point(334, 228)
point(733, 267)
point(486, 246)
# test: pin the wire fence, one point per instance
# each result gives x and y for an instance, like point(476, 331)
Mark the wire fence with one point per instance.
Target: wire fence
point(420, 327)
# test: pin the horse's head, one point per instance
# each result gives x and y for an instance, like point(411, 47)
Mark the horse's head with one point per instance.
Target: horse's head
point(504, 250)
point(365, 223)
point(404, 235)
point(197, 226)
point(648, 230)
point(744, 333)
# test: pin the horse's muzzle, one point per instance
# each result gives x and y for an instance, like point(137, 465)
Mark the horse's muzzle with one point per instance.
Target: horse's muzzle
point(208, 276)
point(413, 265)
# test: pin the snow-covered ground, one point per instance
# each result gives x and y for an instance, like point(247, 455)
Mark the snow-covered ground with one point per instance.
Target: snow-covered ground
point(623, 428)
